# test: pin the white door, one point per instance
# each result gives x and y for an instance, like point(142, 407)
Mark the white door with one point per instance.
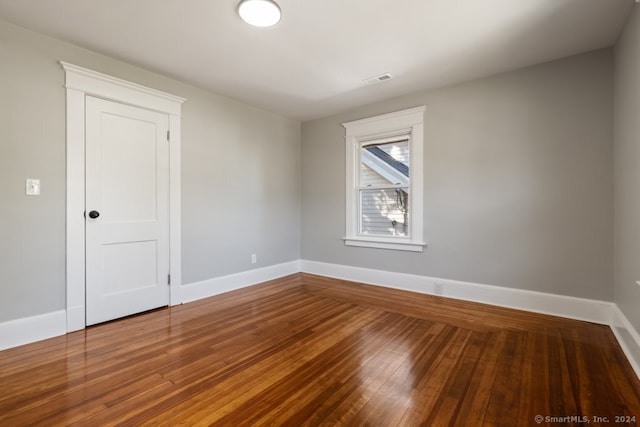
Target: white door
point(126, 209)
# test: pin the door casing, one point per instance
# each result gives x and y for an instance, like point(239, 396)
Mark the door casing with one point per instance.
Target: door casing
point(80, 82)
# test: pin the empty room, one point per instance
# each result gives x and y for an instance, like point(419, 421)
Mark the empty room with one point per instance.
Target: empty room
point(320, 213)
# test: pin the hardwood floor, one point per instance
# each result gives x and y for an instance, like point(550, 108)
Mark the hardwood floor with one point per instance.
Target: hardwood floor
point(307, 350)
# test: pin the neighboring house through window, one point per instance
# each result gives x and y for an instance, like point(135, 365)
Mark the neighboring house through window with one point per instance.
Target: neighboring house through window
point(384, 181)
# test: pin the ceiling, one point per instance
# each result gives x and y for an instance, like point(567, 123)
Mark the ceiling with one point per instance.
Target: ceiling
point(313, 63)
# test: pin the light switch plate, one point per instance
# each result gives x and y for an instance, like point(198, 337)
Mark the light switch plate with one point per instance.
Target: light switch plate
point(33, 187)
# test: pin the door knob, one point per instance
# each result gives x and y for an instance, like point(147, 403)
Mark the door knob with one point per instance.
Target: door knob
point(94, 214)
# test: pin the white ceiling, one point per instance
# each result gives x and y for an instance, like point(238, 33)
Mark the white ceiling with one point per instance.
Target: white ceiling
point(313, 62)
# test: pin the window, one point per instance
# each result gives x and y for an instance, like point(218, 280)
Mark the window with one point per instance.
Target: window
point(384, 181)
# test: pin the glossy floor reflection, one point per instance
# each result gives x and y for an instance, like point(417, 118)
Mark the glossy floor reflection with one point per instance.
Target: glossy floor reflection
point(307, 350)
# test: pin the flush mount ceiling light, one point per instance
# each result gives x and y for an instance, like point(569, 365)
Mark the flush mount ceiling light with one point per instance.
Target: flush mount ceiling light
point(259, 13)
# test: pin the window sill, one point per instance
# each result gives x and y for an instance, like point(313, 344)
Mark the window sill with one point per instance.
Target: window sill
point(384, 244)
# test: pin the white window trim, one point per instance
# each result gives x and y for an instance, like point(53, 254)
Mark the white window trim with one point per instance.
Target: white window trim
point(398, 123)
point(80, 82)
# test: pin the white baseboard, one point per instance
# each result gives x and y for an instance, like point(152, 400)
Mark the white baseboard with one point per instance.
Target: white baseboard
point(601, 312)
point(31, 329)
point(27, 330)
point(627, 336)
point(557, 305)
point(218, 285)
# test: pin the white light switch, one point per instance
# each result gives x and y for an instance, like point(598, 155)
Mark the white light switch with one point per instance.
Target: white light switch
point(33, 187)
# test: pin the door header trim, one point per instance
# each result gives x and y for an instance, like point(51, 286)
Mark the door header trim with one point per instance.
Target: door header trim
point(108, 87)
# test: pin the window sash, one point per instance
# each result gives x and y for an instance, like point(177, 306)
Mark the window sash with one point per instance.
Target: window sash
point(388, 216)
point(398, 139)
point(389, 220)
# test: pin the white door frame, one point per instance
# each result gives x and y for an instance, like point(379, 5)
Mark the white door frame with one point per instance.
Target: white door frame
point(79, 83)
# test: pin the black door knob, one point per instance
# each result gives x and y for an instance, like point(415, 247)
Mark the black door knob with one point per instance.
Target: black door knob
point(94, 214)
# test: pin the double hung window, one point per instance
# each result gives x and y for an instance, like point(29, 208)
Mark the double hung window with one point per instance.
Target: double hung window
point(384, 181)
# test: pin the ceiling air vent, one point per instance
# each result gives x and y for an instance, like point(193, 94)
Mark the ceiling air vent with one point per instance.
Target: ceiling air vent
point(378, 79)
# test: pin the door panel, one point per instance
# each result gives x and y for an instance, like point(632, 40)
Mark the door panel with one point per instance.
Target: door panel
point(130, 265)
point(131, 147)
point(127, 183)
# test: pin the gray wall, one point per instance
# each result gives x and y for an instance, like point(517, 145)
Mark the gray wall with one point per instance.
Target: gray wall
point(518, 181)
point(518, 178)
point(627, 172)
point(240, 175)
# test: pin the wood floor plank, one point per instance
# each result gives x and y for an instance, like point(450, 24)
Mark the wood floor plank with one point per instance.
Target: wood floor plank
point(473, 408)
point(307, 350)
point(248, 376)
point(344, 359)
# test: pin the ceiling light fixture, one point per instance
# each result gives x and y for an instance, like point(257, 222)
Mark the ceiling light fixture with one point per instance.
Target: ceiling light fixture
point(259, 13)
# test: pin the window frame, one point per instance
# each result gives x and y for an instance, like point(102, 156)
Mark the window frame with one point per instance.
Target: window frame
point(409, 122)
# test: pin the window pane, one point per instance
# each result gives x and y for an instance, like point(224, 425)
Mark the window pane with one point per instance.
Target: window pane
point(384, 164)
point(384, 212)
